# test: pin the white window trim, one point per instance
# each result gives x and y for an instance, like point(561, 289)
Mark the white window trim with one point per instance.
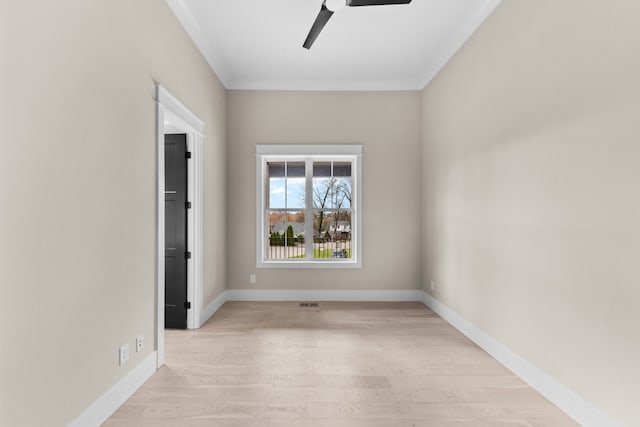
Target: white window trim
point(269, 152)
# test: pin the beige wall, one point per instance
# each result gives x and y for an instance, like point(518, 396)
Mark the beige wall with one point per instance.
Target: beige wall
point(531, 178)
point(388, 126)
point(78, 173)
point(528, 199)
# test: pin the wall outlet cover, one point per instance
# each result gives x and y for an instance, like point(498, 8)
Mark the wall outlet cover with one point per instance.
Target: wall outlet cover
point(139, 343)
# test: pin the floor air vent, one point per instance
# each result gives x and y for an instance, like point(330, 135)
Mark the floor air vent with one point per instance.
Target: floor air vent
point(309, 304)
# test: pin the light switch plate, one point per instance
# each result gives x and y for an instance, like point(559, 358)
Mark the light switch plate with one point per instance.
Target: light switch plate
point(124, 354)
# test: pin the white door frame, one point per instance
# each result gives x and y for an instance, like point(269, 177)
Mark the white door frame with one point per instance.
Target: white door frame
point(174, 117)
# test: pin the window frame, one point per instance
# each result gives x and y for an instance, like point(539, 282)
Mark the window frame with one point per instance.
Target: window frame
point(308, 153)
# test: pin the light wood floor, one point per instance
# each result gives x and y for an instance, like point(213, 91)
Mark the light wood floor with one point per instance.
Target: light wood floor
point(338, 365)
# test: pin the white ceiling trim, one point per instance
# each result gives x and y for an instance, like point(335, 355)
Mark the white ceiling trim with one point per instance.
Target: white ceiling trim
point(192, 28)
point(456, 41)
point(326, 85)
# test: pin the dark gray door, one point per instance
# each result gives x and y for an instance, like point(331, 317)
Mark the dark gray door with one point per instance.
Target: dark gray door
point(175, 208)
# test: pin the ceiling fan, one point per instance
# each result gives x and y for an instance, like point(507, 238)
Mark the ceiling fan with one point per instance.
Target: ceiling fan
point(331, 6)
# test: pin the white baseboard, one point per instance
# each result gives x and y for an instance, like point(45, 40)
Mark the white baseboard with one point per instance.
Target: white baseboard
point(401, 295)
point(573, 405)
point(107, 404)
point(212, 307)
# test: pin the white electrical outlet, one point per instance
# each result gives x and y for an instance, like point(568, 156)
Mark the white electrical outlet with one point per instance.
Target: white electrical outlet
point(252, 278)
point(433, 285)
point(139, 343)
point(124, 354)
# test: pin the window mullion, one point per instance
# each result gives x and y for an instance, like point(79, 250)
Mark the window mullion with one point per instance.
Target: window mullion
point(308, 210)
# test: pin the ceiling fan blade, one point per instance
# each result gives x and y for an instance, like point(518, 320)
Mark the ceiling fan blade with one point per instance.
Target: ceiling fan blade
point(318, 25)
point(375, 2)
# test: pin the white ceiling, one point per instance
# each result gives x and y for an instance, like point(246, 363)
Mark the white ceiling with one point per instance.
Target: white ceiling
point(257, 44)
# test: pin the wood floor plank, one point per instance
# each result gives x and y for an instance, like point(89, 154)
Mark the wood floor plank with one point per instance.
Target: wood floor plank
point(336, 365)
point(322, 381)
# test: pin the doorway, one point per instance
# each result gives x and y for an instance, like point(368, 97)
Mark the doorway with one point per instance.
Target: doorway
point(176, 254)
point(174, 118)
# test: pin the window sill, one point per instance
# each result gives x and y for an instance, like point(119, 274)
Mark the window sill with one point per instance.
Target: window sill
point(309, 264)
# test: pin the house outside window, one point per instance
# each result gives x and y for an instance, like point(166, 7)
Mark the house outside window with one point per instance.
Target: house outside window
point(309, 206)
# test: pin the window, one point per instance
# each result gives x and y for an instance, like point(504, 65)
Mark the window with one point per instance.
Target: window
point(308, 201)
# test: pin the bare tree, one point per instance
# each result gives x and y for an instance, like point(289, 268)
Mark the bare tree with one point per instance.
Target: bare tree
point(321, 200)
point(344, 188)
point(343, 193)
point(276, 217)
point(333, 193)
